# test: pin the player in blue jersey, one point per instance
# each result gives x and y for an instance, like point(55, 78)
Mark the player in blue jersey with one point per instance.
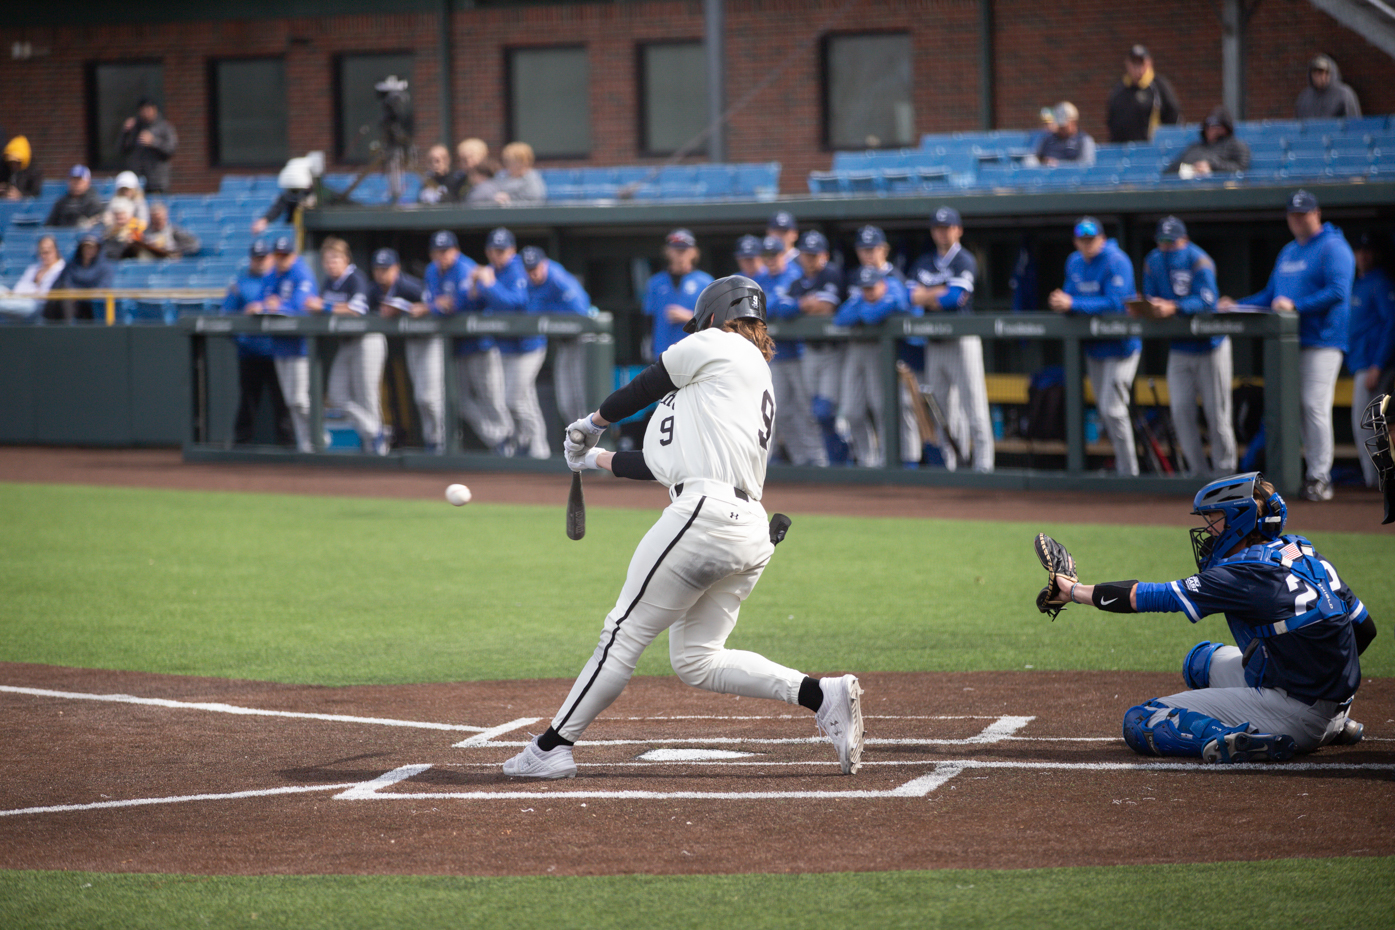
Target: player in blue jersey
point(1371, 337)
point(795, 428)
point(552, 289)
point(783, 226)
point(256, 360)
point(672, 293)
point(1179, 277)
point(501, 286)
point(1099, 281)
point(1287, 684)
point(818, 292)
point(356, 374)
point(872, 297)
point(393, 294)
point(289, 288)
point(747, 255)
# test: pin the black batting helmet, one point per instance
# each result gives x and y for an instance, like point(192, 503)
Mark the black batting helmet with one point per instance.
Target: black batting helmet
point(734, 297)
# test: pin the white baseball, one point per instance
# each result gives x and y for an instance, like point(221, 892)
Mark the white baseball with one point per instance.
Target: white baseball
point(458, 494)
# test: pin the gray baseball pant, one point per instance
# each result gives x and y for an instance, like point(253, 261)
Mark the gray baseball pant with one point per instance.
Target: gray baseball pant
point(1360, 398)
point(569, 379)
point(355, 383)
point(521, 397)
point(823, 370)
point(955, 375)
point(426, 367)
point(794, 421)
point(1112, 379)
point(861, 401)
point(1207, 374)
point(293, 371)
point(1317, 373)
point(480, 377)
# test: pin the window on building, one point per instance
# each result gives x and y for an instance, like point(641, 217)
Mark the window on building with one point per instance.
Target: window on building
point(867, 91)
point(673, 96)
point(249, 112)
point(359, 106)
point(114, 89)
point(550, 100)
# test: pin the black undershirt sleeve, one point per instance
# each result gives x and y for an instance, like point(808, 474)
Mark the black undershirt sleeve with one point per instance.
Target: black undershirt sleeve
point(648, 386)
point(1365, 632)
point(631, 465)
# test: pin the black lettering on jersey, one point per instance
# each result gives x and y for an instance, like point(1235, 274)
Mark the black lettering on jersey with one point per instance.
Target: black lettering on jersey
point(669, 399)
point(767, 412)
point(666, 431)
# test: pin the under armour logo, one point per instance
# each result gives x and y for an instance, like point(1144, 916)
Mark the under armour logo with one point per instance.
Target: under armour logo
point(735, 515)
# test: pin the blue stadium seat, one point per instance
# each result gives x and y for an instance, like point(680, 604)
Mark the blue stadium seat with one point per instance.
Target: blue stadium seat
point(1322, 127)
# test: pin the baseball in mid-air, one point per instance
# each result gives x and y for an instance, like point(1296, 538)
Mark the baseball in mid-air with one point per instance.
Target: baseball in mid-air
point(458, 494)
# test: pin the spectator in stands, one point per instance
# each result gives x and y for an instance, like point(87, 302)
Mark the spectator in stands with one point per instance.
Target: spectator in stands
point(470, 154)
point(1048, 126)
point(747, 255)
point(148, 141)
point(394, 293)
point(784, 227)
point(819, 292)
point(872, 297)
point(795, 429)
point(552, 289)
point(1179, 277)
point(256, 354)
point(122, 236)
point(297, 185)
point(1312, 277)
point(288, 289)
point(79, 207)
point(1371, 336)
point(1141, 100)
point(1099, 280)
point(356, 375)
point(518, 182)
point(1326, 96)
point(24, 302)
point(19, 177)
point(501, 286)
point(441, 184)
point(88, 269)
point(672, 293)
point(128, 186)
point(162, 239)
point(1066, 142)
point(1218, 151)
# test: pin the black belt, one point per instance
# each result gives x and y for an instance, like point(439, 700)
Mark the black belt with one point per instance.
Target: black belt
point(740, 494)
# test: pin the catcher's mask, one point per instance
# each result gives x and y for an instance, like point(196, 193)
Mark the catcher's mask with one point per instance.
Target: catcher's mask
point(734, 297)
point(1378, 446)
point(1234, 498)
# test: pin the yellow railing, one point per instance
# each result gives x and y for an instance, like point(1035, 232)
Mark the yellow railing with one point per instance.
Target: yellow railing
point(110, 296)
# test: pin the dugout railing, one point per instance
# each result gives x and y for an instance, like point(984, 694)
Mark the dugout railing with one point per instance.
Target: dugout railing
point(1278, 333)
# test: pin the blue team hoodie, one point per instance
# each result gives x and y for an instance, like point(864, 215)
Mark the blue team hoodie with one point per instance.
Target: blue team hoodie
point(1099, 287)
point(452, 282)
point(855, 310)
point(1372, 335)
point(247, 289)
point(1317, 277)
point(559, 293)
point(509, 294)
point(779, 305)
point(1187, 276)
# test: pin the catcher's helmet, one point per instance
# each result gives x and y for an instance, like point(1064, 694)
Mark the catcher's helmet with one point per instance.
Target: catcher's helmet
point(734, 297)
point(1234, 497)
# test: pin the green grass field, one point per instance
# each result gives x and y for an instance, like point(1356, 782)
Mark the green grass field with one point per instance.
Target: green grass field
point(337, 591)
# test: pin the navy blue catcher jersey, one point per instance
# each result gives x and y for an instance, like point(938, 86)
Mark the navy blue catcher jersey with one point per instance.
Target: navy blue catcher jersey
point(1288, 610)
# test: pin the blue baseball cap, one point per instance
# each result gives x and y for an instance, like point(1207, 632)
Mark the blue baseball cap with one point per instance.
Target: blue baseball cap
point(500, 238)
point(1087, 228)
point(284, 245)
point(259, 249)
point(772, 245)
point(946, 216)
point(80, 171)
point(1302, 202)
point(680, 239)
point(385, 258)
point(870, 237)
point(91, 235)
point(444, 239)
point(783, 221)
point(748, 247)
point(867, 276)
point(532, 256)
point(813, 242)
point(1170, 229)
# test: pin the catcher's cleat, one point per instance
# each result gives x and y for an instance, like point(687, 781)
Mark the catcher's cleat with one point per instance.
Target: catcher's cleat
point(1233, 748)
point(1350, 734)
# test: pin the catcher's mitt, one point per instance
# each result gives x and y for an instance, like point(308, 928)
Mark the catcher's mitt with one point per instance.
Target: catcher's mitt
point(1060, 572)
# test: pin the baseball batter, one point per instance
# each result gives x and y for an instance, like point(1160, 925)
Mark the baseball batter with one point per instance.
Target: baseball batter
point(1287, 684)
point(707, 443)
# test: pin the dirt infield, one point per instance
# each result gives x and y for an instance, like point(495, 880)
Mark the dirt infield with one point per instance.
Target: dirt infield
point(974, 770)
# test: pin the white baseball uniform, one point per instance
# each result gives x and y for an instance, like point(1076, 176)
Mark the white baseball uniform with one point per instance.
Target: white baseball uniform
point(707, 441)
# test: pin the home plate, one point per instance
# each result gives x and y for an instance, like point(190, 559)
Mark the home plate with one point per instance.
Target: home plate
point(691, 755)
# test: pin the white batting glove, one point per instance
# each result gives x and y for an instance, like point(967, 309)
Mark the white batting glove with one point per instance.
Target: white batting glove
point(576, 457)
point(592, 432)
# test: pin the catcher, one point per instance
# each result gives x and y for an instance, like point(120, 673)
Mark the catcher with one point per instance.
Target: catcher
point(1287, 684)
point(1375, 420)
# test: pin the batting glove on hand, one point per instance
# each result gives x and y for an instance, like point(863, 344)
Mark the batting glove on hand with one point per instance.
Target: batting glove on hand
point(575, 455)
point(591, 431)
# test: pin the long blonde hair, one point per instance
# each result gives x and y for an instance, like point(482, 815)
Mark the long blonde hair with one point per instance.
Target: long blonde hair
point(754, 331)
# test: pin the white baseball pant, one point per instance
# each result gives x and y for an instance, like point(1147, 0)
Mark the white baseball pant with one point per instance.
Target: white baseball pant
point(861, 401)
point(480, 377)
point(521, 397)
point(1360, 398)
point(355, 383)
point(293, 371)
point(1317, 383)
point(1268, 710)
point(689, 576)
point(426, 367)
point(1112, 379)
point(1207, 374)
point(912, 444)
point(955, 375)
point(569, 379)
point(794, 421)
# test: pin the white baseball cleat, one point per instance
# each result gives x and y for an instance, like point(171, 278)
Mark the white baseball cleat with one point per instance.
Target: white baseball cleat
point(840, 719)
point(532, 762)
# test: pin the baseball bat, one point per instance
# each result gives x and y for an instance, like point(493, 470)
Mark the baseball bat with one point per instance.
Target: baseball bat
point(1169, 428)
point(576, 500)
point(922, 416)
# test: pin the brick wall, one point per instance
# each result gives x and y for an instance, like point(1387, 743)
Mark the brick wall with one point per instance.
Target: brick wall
point(1043, 53)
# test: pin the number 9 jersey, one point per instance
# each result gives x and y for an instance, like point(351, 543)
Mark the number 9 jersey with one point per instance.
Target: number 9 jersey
point(718, 424)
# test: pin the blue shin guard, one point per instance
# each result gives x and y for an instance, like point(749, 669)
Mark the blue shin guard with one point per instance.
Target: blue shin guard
point(1180, 733)
point(1196, 667)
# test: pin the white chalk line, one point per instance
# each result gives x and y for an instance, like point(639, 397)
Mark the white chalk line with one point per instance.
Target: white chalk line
point(241, 711)
point(1275, 767)
point(178, 799)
